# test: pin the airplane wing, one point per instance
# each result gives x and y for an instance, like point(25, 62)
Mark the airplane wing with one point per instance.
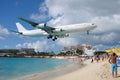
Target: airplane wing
point(44, 27)
point(28, 21)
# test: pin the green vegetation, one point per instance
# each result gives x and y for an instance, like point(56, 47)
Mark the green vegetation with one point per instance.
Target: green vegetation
point(18, 53)
point(79, 52)
point(100, 52)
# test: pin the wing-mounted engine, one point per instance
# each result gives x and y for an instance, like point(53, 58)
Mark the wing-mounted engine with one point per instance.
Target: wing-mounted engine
point(41, 25)
point(54, 37)
point(46, 28)
point(63, 35)
point(58, 30)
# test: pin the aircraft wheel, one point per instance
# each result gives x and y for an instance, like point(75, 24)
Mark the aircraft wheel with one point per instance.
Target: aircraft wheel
point(49, 37)
point(54, 39)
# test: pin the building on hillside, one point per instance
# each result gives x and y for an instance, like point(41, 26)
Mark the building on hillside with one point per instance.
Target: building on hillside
point(26, 51)
point(7, 52)
point(84, 46)
point(74, 48)
point(80, 47)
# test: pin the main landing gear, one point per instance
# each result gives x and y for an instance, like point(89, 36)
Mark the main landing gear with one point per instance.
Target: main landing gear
point(52, 37)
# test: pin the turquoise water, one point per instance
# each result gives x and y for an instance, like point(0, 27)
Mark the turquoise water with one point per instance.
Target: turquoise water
point(11, 68)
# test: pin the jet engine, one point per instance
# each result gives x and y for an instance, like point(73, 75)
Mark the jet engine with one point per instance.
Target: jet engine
point(63, 35)
point(42, 24)
point(59, 30)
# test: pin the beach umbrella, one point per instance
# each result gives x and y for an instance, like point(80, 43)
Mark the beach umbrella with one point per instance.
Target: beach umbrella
point(113, 50)
point(109, 51)
point(117, 51)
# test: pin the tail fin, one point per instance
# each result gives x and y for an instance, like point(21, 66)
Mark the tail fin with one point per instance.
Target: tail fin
point(20, 27)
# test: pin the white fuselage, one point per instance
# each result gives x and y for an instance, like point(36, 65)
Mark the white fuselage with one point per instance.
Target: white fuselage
point(35, 32)
point(61, 30)
point(77, 27)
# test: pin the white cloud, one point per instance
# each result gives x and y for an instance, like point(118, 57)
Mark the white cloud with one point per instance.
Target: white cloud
point(16, 3)
point(43, 8)
point(38, 45)
point(100, 46)
point(1, 38)
point(107, 24)
point(55, 21)
point(70, 9)
point(3, 30)
point(104, 13)
point(6, 46)
point(67, 41)
point(38, 17)
point(42, 15)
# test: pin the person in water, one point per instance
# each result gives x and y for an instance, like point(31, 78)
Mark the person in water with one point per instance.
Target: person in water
point(112, 61)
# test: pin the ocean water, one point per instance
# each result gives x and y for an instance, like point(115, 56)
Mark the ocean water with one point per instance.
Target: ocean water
point(11, 68)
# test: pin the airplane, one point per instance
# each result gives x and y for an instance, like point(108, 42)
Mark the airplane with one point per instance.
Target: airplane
point(53, 32)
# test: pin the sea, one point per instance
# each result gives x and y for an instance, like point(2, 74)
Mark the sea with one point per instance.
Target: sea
point(12, 68)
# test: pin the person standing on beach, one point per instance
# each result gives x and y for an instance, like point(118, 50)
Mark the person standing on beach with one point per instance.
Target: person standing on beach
point(97, 58)
point(112, 61)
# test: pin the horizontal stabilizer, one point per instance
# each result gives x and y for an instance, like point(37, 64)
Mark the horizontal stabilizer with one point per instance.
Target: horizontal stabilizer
point(16, 32)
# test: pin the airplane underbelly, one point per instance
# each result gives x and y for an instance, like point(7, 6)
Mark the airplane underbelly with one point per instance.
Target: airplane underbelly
point(35, 34)
point(75, 30)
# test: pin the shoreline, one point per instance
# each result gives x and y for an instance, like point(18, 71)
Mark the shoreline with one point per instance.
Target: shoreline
point(88, 71)
point(56, 72)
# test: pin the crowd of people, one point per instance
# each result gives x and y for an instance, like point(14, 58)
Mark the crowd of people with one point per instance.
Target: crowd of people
point(112, 59)
point(98, 57)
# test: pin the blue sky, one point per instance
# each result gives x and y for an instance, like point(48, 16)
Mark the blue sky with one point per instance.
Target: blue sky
point(104, 13)
point(10, 10)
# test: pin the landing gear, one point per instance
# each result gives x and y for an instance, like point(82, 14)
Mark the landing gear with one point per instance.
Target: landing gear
point(54, 38)
point(88, 32)
point(50, 36)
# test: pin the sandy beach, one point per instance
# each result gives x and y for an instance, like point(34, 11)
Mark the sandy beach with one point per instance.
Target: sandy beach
point(93, 71)
point(89, 71)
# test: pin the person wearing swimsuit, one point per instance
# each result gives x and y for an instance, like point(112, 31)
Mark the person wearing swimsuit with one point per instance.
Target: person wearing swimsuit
point(112, 61)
